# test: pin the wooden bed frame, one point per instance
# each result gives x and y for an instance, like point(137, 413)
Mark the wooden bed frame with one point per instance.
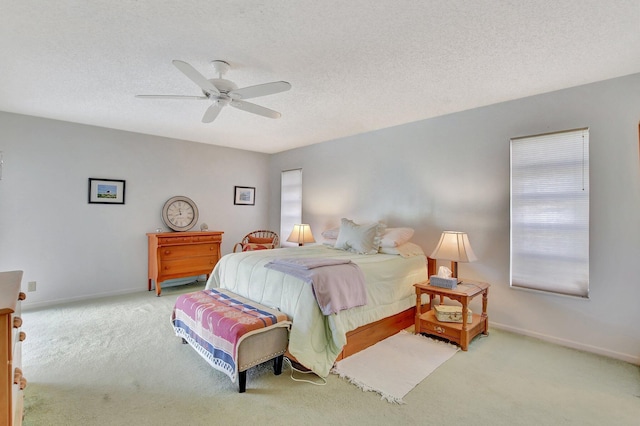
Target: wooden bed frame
point(370, 334)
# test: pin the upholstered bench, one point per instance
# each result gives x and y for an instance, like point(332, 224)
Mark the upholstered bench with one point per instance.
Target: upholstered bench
point(230, 332)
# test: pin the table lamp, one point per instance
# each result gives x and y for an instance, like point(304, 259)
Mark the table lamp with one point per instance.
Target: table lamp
point(301, 234)
point(454, 246)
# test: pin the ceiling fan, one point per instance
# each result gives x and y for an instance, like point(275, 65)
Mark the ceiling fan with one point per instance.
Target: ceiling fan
point(224, 92)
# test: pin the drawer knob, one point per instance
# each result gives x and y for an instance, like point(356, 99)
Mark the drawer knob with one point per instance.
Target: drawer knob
point(21, 296)
point(439, 329)
point(167, 252)
point(17, 322)
point(17, 375)
point(22, 335)
point(23, 383)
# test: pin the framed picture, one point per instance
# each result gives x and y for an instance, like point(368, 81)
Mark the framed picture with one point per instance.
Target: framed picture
point(244, 195)
point(106, 191)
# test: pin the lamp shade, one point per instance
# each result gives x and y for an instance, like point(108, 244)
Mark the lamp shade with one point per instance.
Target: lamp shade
point(454, 246)
point(301, 234)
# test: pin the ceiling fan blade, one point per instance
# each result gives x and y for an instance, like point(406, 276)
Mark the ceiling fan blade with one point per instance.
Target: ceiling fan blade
point(212, 112)
point(171, 97)
point(196, 77)
point(255, 109)
point(260, 90)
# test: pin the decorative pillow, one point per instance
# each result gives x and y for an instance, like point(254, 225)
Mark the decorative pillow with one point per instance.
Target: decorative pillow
point(330, 242)
point(256, 246)
point(362, 239)
point(394, 237)
point(331, 234)
point(257, 240)
point(404, 250)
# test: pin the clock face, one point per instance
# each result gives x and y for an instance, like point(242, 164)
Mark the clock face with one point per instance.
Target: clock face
point(180, 213)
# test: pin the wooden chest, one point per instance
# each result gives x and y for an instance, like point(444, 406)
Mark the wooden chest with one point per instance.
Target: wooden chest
point(182, 254)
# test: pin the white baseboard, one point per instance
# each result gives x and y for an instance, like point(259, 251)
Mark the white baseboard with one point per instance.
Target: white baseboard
point(569, 343)
point(37, 305)
point(167, 284)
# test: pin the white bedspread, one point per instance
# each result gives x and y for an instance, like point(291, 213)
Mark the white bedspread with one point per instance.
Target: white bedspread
point(316, 340)
point(338, 284)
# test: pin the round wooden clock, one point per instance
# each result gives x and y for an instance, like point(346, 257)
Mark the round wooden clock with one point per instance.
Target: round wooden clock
point(180, 213)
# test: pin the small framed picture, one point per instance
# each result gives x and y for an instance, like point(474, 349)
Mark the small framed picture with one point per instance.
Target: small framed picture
point(106, 191)
point(244, 195)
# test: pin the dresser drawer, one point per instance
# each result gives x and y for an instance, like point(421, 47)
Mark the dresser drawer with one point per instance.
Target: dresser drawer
point(187, 239)
point(193, 265)
point(18, 405)
point(440, 330)
point(206, 238)
point(193, 250)
point(430, 325)
point(16, 324)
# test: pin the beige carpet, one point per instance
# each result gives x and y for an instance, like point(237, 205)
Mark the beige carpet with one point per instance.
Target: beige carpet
point(116, 361)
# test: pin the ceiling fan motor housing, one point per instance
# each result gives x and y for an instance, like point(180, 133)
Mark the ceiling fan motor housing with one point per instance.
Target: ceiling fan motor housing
point(224, 86)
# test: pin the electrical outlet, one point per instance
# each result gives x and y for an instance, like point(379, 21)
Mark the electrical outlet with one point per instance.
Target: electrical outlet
point(32, 286)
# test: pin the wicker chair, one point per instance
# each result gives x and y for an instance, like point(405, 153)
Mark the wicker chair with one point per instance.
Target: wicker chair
point(258, 240)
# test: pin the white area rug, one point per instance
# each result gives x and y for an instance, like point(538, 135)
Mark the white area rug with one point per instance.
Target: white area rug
point(395, 365)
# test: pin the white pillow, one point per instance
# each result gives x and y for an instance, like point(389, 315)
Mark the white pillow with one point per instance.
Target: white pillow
point(394, 237)
point(362, 239)
point(404, 250)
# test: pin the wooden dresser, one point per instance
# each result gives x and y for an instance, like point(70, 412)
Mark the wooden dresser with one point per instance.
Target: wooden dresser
point(11, 379)
point(182, 254)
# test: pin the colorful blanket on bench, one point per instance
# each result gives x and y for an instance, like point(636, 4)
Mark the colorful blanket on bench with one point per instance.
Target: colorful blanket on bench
point(215, 322)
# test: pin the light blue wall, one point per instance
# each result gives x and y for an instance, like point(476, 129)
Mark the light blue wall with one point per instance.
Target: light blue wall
point(76, 250)
point(452, 172)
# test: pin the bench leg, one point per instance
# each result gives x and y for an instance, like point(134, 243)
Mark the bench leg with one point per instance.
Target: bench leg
point(277, 364)
point(242, 381)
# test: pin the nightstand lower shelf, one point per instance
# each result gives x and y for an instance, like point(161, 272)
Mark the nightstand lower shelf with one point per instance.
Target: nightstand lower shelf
point(452, 330)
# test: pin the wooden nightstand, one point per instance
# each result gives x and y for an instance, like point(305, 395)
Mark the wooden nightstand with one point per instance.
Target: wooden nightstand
point(460, 333)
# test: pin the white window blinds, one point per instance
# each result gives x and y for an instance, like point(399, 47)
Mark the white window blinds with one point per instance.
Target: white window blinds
point(290, 203)
point(550, 212)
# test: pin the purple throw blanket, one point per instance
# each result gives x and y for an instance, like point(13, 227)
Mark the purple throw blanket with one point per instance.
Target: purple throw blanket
point(337, 284)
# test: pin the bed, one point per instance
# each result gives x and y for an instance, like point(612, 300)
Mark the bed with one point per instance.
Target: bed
point(317, 341)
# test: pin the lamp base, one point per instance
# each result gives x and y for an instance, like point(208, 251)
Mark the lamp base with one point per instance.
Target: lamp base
point(454, 270)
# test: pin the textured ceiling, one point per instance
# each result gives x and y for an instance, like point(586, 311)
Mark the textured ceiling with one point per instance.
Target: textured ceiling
point(355, 66)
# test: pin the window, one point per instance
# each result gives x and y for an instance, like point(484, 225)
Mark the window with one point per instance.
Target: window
point(290, 203)
point(550, 212)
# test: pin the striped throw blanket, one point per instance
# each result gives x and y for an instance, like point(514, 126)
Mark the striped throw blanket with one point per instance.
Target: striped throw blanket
point(215, 322)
